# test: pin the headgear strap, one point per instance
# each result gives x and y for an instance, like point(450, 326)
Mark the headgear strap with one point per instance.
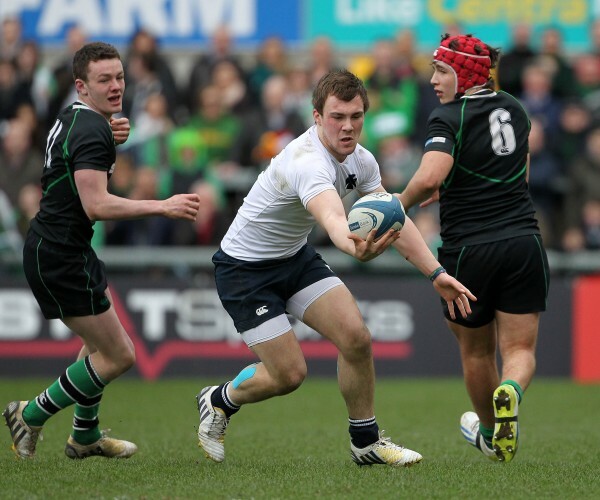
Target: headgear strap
point(471, 66)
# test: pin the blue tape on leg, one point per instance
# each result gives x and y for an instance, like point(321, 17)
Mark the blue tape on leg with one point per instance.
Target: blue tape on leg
point(244, 375)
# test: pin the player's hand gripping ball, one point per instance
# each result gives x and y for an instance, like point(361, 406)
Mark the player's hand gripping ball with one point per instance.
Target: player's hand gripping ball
point(380, 211)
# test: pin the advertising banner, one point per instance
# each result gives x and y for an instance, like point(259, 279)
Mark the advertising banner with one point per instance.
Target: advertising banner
point(360, 22)
point(173, 22)
point(350, 23)
point(586, 330)
point(180, 328)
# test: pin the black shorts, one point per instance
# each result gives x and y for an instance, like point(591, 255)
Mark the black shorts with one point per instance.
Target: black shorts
point(255, 292)
point(65, 282)
point(510, 276)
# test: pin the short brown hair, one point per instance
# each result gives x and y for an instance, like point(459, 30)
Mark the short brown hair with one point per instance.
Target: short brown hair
point(92, 52)
point(341, 84)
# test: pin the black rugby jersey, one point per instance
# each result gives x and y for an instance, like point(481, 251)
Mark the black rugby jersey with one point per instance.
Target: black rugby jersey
point(80, 138)
point(485, 197)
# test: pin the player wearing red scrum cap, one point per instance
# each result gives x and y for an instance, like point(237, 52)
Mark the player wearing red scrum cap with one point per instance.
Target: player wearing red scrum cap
point(468, 58)
point(476, 163)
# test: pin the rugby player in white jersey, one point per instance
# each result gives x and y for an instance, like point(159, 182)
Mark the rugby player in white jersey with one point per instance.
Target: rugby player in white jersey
point(265, 269)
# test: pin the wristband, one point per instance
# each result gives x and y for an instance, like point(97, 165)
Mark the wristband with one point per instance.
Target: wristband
point(436, 273)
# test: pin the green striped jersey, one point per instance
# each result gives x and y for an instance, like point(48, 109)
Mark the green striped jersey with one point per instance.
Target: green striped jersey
point(485, 197)
point(80, 138)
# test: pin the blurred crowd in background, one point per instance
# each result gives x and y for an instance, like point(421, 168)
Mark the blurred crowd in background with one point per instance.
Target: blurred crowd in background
point(214, 129)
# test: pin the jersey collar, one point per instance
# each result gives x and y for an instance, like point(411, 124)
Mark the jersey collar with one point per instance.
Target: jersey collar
point(480, 94)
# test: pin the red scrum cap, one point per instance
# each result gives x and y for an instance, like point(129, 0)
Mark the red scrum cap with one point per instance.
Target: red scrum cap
point(469, 59)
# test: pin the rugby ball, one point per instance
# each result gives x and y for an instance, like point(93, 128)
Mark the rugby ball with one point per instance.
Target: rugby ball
point(380, 211)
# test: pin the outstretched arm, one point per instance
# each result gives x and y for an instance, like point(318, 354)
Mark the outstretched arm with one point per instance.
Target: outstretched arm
point(413, 248)
point(327, 208)
point(99, 204)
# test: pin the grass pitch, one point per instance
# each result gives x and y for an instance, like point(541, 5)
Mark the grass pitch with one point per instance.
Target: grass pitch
point(297, 446)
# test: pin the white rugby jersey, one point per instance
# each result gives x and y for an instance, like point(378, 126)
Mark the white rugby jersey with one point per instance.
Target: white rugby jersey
point(273, 221)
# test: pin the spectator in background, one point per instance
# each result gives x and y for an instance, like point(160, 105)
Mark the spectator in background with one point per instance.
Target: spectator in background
point(594, 36)
point(217, 127)
point(220, 49)
point(299, 95)
point(538, 100)
point(586, 68)
point(211, 223)
point(546, 184)
point(407, 59)
point(186, 161)
point(218, 130)
point(563, 81)
point(147, 143)
point(583, 194)
point(512, 63)
point(21, 163)
point(587, 73)
point(453, 27)
point(26, 114)
point(64, 91)
point(122, 179)
point(11, 240)
point(145, 43)
point(384, 73)
point(13, 94)
point(384, 130)
point(271, 59)
point(142, 82)
point(396, 87)
point(322, 59)
point(398, 159)
point(591, 224)
point(575, 122)
point(235, 92)
point(10, 38)
point(181, 160)
point(36, 77)
point(153, 120)
point(393, 92)
point(428, 223)
point(266, 132)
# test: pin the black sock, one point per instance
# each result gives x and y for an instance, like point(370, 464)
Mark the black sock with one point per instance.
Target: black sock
point(220, 399)
point(363, 432)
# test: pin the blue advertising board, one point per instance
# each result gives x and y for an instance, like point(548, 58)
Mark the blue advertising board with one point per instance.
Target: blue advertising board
point(173, 22)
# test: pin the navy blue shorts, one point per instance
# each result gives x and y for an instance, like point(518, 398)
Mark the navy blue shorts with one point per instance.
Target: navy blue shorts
point(510, 276)
point(255, 292)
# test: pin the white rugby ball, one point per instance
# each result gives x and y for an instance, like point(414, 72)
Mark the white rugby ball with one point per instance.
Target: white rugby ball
point(380, 211)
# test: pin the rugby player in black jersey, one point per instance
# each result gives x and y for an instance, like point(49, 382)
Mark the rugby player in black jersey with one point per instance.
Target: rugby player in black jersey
point(63, 271)
point(476, 164)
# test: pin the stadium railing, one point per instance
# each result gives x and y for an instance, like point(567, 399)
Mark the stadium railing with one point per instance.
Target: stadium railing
point(136, 259)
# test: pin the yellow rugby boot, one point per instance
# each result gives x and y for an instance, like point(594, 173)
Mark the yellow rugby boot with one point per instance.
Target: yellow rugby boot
point(506, 429)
